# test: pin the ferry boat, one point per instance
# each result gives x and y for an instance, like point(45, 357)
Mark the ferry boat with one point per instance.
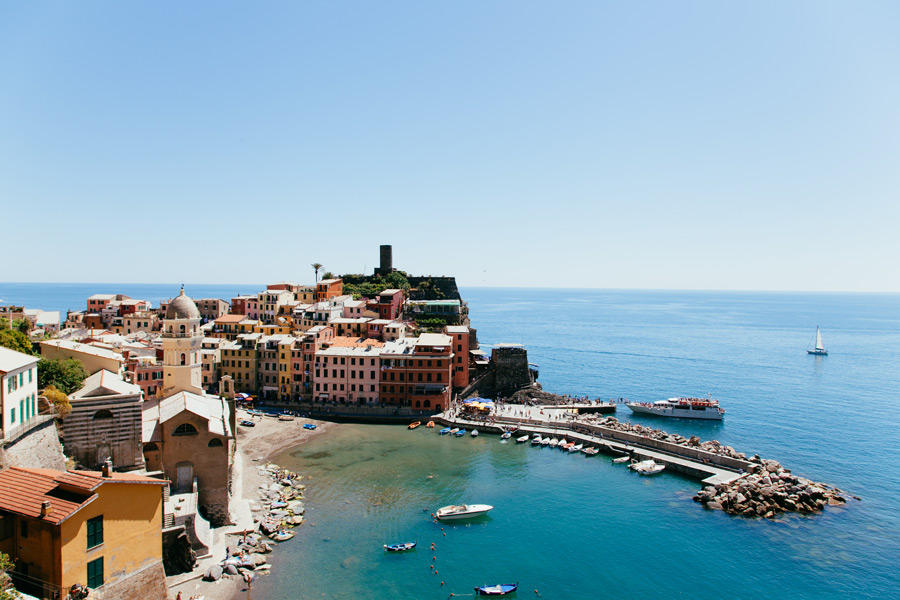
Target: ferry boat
point(686, 408)
point(462, 511)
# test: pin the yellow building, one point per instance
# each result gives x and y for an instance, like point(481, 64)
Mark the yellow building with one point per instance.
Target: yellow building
point(240, 361)
point(99, 529)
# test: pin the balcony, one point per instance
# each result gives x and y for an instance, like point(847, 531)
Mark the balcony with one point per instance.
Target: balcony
point(178, 334)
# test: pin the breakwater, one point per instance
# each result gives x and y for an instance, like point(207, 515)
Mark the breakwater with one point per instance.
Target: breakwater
point(732, 482)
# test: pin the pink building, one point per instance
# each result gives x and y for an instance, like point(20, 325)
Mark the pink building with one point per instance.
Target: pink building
point(388, 304)
point(347, 371)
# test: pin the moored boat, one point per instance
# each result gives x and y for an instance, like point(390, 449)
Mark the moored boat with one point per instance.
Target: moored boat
point(647, 467)
point(621, 459)
point(576, 448)
point(454, 431)
point(685, 408)
point(414, 425)
point(500, 589)
point(522, 440)
point(400, 547)
point(457, 512)
point(284, 417)
point(537, 441)
point(554, 442)
point(506, 435)
point(445, 431)
point(545, 441)
point(474, 433)
point(459, 432)
point(429, 425)
point(590, 451)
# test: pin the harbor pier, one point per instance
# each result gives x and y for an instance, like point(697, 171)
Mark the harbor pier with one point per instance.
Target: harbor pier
point(712, 469)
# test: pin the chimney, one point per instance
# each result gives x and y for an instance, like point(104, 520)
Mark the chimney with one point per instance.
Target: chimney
point(45, 508)
point(106, 468)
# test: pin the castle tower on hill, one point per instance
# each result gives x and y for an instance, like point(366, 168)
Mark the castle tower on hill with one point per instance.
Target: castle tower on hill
point(182, 340)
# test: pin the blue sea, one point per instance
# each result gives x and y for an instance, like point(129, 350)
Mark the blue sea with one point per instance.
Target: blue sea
point(574, 527)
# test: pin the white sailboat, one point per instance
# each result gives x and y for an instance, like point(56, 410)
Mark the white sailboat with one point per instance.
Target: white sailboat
point(819, 350)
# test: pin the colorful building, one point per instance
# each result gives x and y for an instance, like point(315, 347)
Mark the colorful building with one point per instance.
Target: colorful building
point(99, 529)
point(18, 391)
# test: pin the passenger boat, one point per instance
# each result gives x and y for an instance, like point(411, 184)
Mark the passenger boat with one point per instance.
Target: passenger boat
point(400, 547)
point(621, 459)
point(457, 512)
point(414, 425)
point(590, 451)
point(429, 425)
point(459, 432)
point(474, 433)
point(686, 408)
point(522, 440)
point(501, 589)
point(537, 441)
point(819, 349)
point(445, 431)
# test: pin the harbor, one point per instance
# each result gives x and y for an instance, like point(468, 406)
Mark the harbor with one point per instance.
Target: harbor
point(732, 482)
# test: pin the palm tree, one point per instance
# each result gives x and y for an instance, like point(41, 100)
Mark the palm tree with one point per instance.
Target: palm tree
point(316, 266)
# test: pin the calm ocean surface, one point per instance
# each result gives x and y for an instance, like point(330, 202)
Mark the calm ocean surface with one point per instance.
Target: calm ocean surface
point(580, 528)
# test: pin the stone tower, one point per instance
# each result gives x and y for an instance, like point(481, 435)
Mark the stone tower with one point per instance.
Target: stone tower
point(182, 340)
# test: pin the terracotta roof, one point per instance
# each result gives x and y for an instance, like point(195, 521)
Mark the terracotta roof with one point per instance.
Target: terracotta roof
point(232, 318)
point(23, 490)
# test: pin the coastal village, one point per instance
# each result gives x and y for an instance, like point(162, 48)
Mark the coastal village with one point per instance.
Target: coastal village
point(137, 483)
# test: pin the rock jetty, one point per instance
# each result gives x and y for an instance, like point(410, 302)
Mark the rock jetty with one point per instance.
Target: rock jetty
point(768, 490)
point(765, 490)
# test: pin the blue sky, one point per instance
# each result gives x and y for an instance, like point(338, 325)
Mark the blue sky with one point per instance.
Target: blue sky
point(686, 145)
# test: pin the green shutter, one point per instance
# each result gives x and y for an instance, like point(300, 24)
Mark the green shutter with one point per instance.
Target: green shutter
point(95, 573)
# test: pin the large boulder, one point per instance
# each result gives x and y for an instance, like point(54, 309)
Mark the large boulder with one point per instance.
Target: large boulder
point(213, 573)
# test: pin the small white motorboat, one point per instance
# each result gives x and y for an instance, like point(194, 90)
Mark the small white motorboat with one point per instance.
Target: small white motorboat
point(590, 451)
point(647, 467)
point(621, 459)
point(454, 431)
point(545, 441)
point(562, 443)
point(474, 433)
point(537, 441)
point(522, 440)
point(554, 443)
point(576, 448)
point(457, 512)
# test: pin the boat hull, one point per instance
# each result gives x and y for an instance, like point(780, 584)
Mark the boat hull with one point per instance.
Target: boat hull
point(678, 413)
point(818, 352)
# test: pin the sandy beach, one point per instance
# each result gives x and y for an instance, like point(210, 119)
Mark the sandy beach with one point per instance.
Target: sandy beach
point(255, 446)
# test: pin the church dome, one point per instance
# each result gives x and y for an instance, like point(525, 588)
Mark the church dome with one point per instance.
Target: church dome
point(182, 307)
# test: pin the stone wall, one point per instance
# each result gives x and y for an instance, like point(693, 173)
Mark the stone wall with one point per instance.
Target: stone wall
point(510, 366)
point(147, 583)
point(39, 448)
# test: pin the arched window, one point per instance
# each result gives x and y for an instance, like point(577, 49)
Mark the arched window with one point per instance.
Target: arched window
point(214, 443)
point(103, 414)
point(427, 404)
point(182, 358)
point(151, 447)
point(185, 429)
point(182, 328)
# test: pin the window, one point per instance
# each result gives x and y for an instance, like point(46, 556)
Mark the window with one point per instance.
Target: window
point(214, 443)
point(29, 375)
point(95, 573)
point(12, 415)
point(185, 429)
point(103, 414)
point(95, 531)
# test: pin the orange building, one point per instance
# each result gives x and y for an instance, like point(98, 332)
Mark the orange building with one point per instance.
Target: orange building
point(99, 529)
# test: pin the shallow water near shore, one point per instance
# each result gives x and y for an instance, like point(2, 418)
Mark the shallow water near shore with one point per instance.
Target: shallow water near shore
point(570, 526)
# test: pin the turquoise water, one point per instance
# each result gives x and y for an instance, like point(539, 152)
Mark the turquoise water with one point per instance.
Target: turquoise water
point(576, 527)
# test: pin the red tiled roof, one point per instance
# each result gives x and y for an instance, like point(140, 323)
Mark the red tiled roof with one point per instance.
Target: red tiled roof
point(23, 490)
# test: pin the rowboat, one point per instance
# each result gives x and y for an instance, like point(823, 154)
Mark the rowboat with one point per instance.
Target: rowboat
point(400, 547)
point(562, 443)
point(445, 431)
point(545, 441)
point(429, 424)
point(414, 425)
point(506, 435)
point(576, 448)
point(459, 432)
point(537, 441)
point(283, 417)
point(554, 443)
point(522, 440)
point(474, 433)
point(621, 459)
point(454, 431)
point(590, 451)
point(501, 589)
